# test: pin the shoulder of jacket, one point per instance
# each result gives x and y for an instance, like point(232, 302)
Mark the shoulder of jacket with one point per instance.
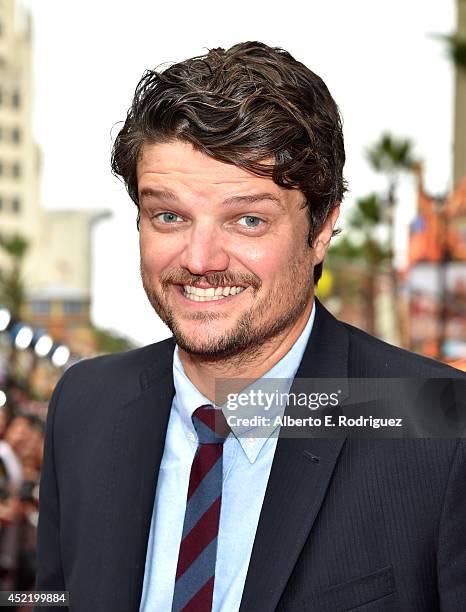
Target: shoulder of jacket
point(387, 358)
point(121, 367)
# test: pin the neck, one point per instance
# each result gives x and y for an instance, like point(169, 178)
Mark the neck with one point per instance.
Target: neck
point(251, 366)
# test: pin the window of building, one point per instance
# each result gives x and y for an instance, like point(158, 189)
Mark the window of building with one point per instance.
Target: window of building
point(15, 205)
point(16, 99)
point(72, 307)
point(1, 132)
point(40, 307)
point(16, 170)
point(15, 135)
point(1, 168)
point(1, 203)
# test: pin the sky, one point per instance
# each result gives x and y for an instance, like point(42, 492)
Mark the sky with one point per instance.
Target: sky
point(380, 60)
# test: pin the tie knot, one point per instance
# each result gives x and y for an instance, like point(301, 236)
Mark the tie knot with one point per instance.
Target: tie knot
point(210, 425)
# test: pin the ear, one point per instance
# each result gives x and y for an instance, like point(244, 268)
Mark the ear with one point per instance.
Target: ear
point(322, 240)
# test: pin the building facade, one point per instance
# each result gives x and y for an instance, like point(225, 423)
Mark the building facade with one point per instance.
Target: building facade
point(437, 274)
point(56, 270)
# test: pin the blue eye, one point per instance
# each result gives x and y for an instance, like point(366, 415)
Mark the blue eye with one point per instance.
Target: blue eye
point(168, 217)
point(250, 221)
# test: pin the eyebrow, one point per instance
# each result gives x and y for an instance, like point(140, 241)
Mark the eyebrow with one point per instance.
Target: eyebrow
point(169, 196)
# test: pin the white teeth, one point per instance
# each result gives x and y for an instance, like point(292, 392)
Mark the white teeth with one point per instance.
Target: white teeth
point(211, 293)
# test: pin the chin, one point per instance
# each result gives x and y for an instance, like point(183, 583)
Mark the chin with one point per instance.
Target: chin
point(197, 344)
point(219, 346)
point(207, 345)
point(210, 352)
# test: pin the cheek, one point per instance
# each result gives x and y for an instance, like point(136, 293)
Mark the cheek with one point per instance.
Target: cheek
point(157, 255)
point(266, 260)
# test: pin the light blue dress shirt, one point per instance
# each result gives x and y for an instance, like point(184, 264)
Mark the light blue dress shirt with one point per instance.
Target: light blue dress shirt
point(246, 467)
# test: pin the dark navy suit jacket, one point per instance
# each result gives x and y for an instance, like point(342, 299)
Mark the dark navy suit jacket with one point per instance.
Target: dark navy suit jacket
point(346, 524)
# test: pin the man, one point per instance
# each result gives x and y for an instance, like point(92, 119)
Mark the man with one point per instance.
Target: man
point(234, 161)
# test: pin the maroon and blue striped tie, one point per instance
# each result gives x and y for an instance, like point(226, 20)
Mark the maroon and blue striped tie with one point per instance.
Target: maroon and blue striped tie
point(195, 573)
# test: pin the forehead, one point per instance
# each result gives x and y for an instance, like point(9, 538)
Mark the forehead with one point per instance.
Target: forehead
point(178, 164)
point(19, 422)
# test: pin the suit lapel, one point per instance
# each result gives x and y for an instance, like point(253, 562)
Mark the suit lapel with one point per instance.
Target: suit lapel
point(138, 443)
point(299, 478)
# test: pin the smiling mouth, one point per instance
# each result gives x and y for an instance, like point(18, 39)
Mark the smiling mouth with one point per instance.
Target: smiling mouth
point(210, 294)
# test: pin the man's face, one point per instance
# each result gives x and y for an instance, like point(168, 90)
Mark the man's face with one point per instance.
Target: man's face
point(225, 260)
point(17, 433)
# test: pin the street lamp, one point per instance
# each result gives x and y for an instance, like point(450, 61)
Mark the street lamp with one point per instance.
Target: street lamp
point(22, 335)
point(5, 318)
point(42, 344)
point(60, 355)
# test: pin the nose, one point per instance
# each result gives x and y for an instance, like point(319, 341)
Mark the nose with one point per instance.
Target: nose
point(204, 250)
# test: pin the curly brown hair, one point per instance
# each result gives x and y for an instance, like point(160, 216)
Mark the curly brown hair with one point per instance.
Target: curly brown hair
point(243, 106)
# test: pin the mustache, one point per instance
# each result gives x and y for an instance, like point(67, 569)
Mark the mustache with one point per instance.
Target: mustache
point(216, 279)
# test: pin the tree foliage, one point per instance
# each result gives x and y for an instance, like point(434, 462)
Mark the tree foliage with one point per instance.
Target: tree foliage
point(110, 342)
point(391, 154)
point(12, 290)
point(361, 243)
point(456, 48)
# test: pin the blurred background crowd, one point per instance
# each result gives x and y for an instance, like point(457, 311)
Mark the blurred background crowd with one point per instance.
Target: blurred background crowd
point(48, 260)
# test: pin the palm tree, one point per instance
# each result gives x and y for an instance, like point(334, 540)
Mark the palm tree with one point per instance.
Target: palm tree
point(456, 46)
point(362, 249)
point(456, 43)
point(392, 156)
point(12, 290)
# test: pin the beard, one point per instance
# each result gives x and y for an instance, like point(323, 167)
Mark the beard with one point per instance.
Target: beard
point(287, 300)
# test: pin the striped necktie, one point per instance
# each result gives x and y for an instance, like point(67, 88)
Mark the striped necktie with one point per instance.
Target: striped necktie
point(195, 573)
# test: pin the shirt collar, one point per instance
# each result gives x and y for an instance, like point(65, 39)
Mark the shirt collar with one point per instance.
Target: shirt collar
point(188, 396)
